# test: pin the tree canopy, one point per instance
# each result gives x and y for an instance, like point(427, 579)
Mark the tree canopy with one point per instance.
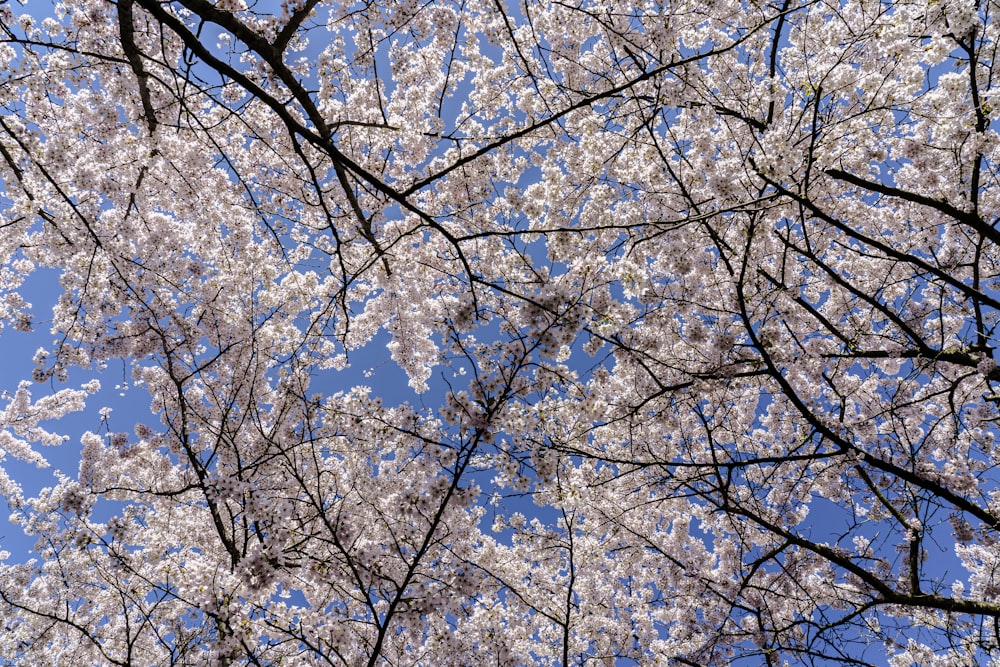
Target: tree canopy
point(697, 302)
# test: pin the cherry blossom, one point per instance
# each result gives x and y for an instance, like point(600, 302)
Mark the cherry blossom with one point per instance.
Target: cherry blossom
point(695, 304)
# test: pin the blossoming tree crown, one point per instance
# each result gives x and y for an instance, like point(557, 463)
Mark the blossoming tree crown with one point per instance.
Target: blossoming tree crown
point(697, 303)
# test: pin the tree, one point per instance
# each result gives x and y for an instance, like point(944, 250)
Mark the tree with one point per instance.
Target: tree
point(699, 300)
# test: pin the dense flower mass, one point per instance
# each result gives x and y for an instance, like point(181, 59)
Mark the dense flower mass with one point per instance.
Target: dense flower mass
point(697, 303)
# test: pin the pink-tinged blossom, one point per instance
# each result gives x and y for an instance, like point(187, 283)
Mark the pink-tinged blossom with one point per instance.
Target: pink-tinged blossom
point(770, 230)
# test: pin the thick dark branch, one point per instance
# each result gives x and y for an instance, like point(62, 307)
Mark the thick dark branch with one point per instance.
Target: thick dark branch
point(884, 593)
point(964, 217)
point(967, 290)
point(126, 28)
point(322, 136)
point(286, 34)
